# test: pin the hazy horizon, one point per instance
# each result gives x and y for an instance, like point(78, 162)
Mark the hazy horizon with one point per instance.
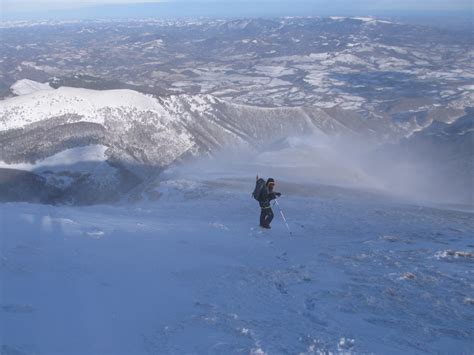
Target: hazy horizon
point(449, 12)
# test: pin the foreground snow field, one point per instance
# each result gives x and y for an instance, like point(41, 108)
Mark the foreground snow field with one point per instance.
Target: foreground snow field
point(192, 273)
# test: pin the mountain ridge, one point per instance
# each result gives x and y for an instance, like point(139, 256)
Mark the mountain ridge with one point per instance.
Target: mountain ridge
point(144, 134)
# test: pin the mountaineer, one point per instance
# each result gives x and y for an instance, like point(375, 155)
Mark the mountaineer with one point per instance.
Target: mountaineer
point(264, 193)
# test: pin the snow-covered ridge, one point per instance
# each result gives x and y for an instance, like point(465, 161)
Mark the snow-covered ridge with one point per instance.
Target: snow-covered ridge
point(123, 106)
point(36, 106)
point(144, 129)
point(142, 133)
point(366, 19)
point(26, 86)
point(39, 102)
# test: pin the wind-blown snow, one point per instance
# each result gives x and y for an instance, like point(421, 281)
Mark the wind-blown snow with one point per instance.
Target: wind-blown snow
point(26, 86)
point(67, 158)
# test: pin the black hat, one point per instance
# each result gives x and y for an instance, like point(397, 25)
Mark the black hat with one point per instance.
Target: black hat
point(270, 180)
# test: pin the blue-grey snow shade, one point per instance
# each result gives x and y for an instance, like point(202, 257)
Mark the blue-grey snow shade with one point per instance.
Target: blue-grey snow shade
point(67, 9)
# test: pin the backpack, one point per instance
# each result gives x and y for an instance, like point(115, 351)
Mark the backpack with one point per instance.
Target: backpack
point(259, 185)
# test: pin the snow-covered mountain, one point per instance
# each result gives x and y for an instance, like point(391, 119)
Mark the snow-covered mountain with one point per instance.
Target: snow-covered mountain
point(365, 125)
point(140, 134)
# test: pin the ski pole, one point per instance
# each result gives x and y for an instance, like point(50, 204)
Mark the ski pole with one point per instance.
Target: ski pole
point(283, 216)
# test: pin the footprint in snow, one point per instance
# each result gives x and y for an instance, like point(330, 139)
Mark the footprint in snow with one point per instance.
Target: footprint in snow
point(282, 256)
point(310, 304)
point(280, 286)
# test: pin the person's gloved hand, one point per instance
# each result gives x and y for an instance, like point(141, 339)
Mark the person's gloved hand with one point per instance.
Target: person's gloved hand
point(277, 194)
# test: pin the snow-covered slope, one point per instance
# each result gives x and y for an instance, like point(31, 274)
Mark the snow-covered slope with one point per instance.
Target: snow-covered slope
point(26, 86)
point(155, 131)
point(93, 105)
point(128, 106)
point(192, 273)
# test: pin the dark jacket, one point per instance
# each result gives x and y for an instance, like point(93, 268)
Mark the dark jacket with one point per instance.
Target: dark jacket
point(266, 196)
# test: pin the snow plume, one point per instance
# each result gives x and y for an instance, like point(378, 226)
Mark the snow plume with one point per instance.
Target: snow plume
point(434, 164)
point(313, 159)
point(341, 161)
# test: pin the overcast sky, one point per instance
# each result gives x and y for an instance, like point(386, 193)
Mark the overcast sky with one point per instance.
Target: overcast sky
point(9, 6)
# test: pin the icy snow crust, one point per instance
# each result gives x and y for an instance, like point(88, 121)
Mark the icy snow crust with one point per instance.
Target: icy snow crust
point(192, 272)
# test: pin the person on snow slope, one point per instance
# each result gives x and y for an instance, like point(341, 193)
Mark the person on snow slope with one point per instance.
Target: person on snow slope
point(265, 194)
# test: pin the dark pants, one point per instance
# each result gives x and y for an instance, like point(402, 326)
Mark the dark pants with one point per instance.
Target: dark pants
point(266, 216)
